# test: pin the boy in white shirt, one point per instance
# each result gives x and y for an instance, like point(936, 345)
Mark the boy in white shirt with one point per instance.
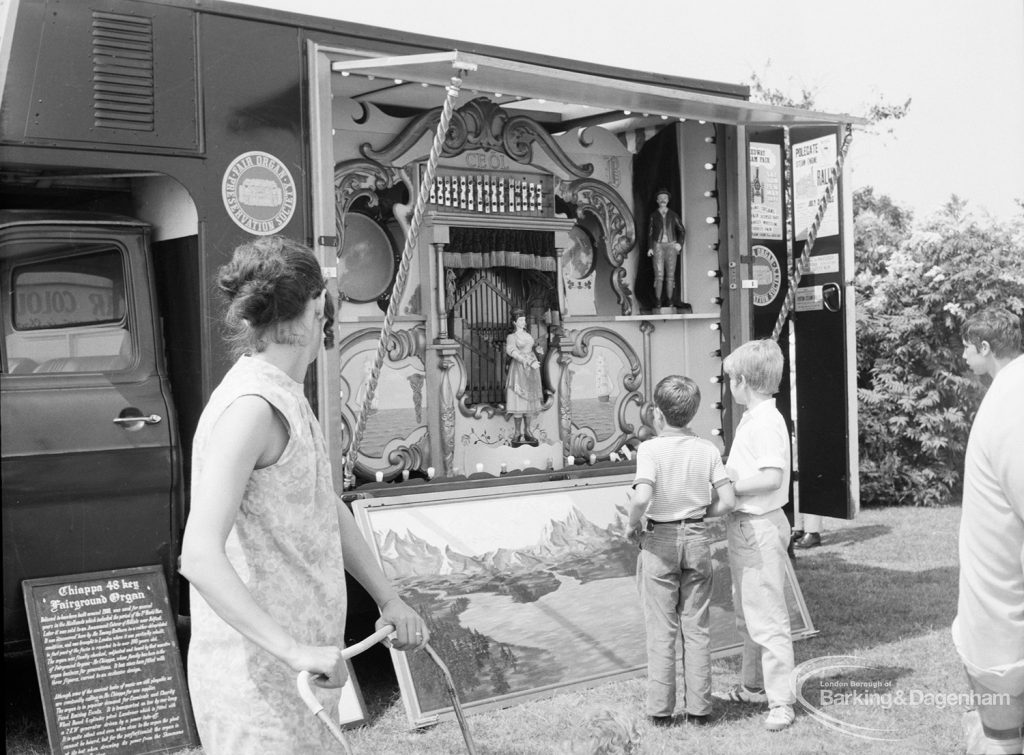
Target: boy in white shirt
point(758, 532)
point(989, 628)
point(675, 475)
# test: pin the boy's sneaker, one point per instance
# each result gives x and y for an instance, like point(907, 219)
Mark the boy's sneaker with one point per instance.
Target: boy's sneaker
point(779, 718)
point(741, 694)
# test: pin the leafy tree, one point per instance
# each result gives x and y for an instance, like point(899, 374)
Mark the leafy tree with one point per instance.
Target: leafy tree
point(879, 227)
point(916, 399)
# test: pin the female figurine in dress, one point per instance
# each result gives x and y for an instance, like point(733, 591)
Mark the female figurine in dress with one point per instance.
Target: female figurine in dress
point(523, 392)
point(267, 541)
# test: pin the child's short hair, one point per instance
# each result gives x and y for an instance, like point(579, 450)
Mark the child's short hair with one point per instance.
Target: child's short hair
point(760, 362)
point(1000, 327)
point(678, 398)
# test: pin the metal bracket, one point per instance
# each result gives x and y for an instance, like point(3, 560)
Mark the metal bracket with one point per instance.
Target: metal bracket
point(327, 241)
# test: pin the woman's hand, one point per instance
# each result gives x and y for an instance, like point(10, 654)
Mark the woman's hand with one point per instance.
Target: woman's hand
point(410, 630)
point(323, 662)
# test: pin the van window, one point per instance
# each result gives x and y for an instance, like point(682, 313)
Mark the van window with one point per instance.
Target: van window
point(67, 313)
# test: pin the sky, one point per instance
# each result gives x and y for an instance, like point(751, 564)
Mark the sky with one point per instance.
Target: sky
point(960, 61)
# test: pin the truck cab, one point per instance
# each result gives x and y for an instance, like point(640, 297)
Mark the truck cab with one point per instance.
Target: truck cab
point(91, 459)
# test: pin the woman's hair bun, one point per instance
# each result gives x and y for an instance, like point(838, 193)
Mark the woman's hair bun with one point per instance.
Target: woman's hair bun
point(269, 280)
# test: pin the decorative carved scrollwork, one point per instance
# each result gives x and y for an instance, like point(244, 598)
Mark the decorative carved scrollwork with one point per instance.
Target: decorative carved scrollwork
point(359, 179)
point(582, 441)
point(413, 456)
point(565, 403)
point(480, 124)
point(520, 133)
point(448, 414)
point(408, 343)
point(581, 348)
point(406, 350)
point(603, 202)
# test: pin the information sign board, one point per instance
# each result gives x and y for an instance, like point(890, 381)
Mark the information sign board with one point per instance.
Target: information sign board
point(108, 663)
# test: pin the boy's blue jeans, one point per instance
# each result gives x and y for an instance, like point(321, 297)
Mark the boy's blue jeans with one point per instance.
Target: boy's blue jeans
point(674, 578)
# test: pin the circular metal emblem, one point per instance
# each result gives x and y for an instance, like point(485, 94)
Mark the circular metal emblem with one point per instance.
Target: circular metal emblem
point(259, 193)
point(767, 273)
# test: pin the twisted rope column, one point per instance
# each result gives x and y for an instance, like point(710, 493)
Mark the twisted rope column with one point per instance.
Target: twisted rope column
point(812, 234)
point(452, 92)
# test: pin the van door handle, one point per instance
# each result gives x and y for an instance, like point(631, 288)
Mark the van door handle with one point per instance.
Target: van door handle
point(152, 419)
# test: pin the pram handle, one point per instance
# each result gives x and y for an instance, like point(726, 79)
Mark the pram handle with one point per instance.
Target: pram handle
point(304, 680)
point(317, 709)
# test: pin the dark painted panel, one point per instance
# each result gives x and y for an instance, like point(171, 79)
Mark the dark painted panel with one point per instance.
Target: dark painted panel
point(81, 512)
point(823, 442)
point(65, 76)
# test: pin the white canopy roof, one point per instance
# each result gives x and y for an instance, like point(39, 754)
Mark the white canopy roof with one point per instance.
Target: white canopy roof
point(566, 90)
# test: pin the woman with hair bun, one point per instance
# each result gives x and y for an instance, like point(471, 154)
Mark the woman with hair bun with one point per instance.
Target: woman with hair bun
point(267, 541)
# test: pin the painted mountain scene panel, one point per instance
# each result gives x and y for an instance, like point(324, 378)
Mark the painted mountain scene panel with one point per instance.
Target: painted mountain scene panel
point(524, 593)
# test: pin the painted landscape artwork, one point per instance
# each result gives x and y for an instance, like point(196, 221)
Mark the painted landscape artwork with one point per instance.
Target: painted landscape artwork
point(526, 592)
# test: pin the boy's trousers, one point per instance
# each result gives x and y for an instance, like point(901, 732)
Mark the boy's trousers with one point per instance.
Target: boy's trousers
point(674, 579)
point(758, 560)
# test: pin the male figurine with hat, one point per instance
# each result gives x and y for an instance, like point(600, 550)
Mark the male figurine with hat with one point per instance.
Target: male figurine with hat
point(665, 237)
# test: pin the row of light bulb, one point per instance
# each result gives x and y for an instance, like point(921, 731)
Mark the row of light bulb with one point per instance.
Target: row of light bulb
point(520, 98)
point(714, 220)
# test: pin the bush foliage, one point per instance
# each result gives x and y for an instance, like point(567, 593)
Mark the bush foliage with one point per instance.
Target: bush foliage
point(916, 284)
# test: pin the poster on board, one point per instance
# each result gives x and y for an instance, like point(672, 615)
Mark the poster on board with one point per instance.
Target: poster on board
point(765, 191)
point(813, 162)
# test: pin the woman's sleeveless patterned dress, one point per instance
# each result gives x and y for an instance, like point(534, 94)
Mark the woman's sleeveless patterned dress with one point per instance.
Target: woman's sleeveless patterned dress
point(286, 547)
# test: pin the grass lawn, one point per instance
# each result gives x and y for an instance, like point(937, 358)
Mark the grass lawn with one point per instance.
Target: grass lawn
point(882, 588)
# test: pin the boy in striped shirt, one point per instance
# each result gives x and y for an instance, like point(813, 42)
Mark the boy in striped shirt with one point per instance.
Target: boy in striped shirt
point(675, 475)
